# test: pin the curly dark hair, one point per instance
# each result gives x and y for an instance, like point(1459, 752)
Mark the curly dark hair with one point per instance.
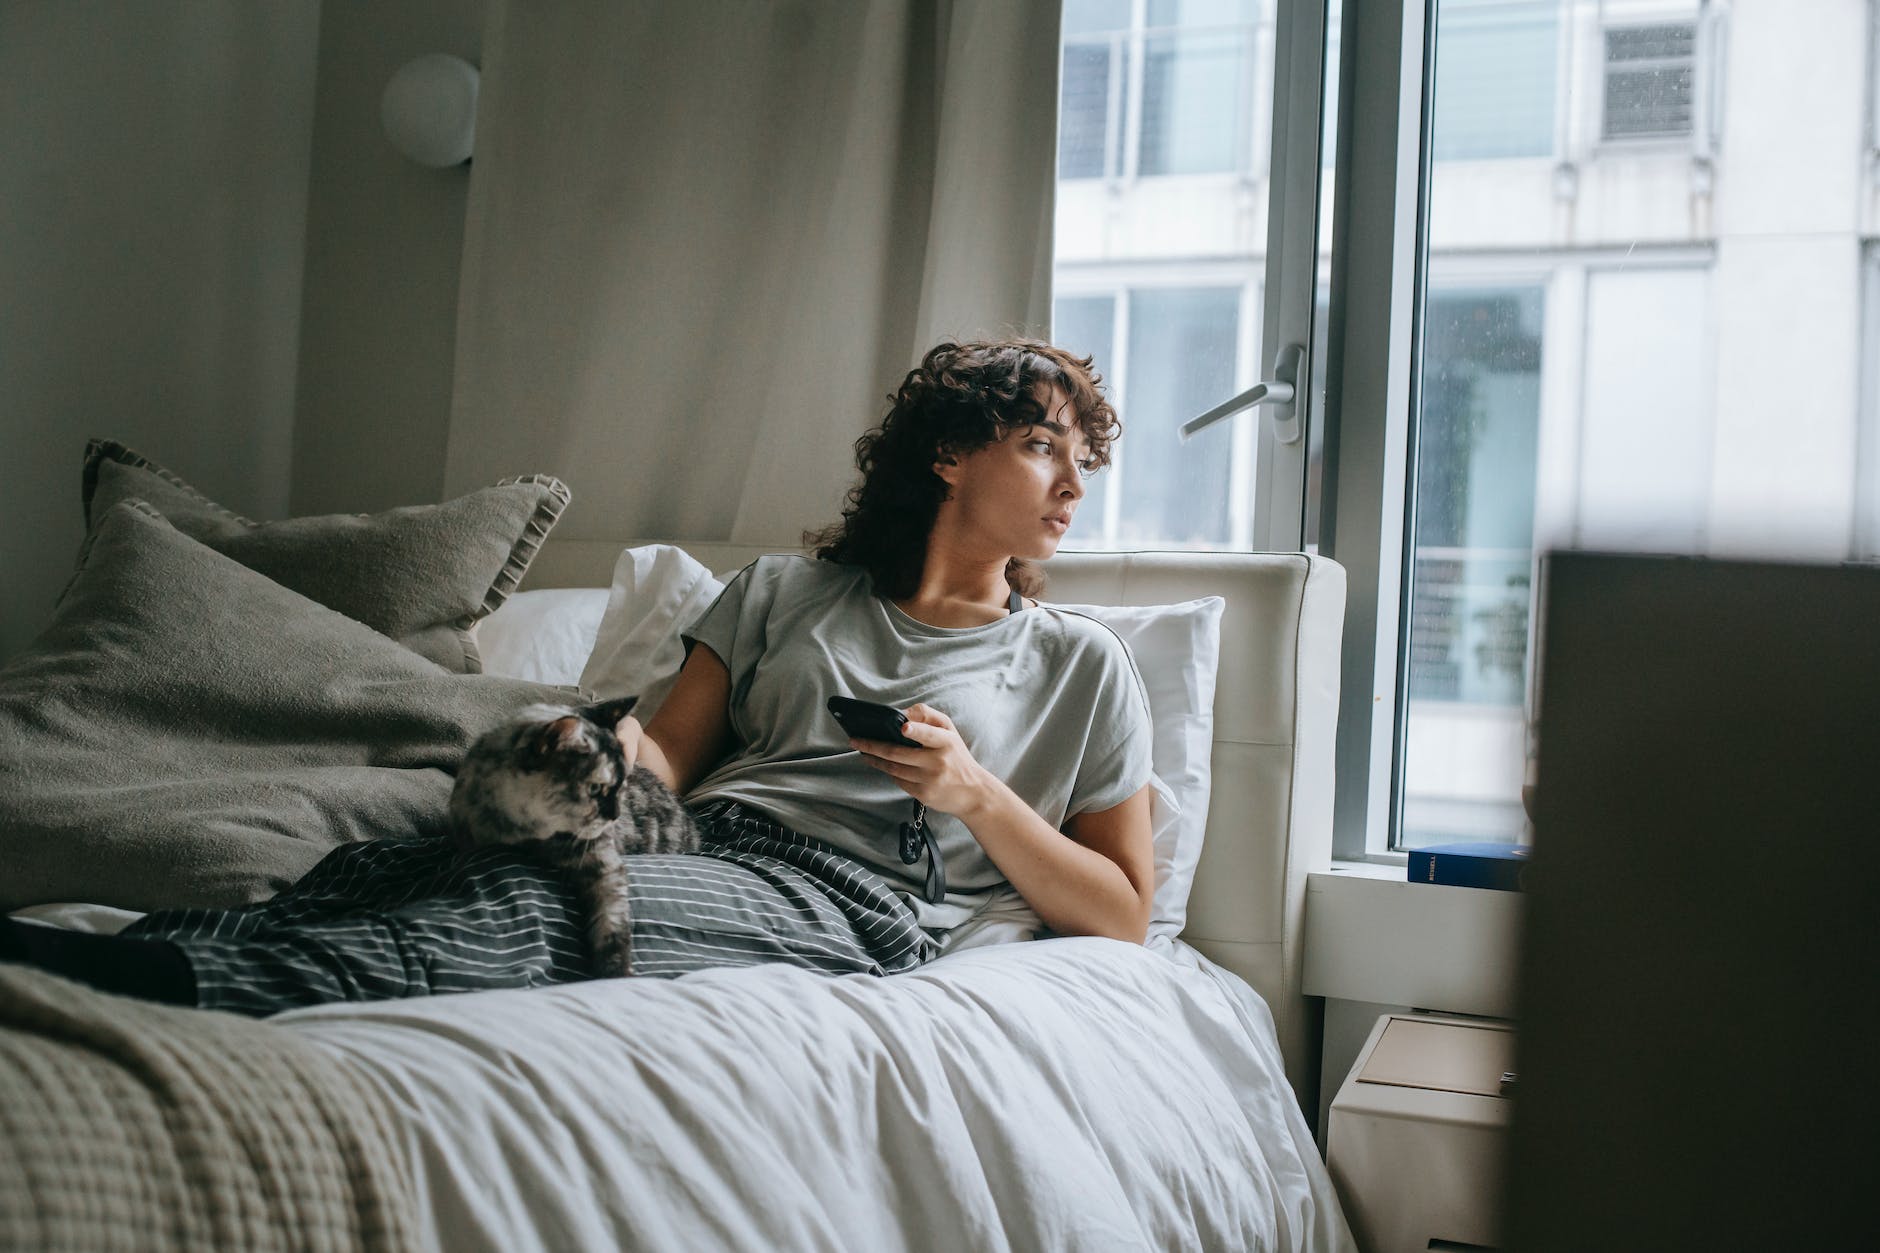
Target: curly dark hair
point(962, 397)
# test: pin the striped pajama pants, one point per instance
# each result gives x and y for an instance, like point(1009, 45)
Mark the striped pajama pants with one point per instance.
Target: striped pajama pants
point(395, 918)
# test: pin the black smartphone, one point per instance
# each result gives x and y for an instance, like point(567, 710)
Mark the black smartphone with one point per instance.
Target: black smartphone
point(865, 720)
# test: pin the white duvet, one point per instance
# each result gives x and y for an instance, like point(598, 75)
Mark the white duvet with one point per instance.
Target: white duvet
point(1066, 1094)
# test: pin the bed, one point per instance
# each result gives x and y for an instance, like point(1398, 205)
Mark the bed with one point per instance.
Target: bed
point(1051, 1094)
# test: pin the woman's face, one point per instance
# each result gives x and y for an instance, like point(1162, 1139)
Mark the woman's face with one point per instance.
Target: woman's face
point(1017, 495)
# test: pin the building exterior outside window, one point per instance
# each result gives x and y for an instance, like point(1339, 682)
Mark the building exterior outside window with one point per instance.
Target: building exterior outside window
point(1651, 74)
point(1649, 284)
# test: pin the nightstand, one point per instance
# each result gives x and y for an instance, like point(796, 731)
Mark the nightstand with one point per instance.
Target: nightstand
point(1417, 1134)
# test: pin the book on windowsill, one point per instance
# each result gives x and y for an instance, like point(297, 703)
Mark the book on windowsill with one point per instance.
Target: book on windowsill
point(1478, 865)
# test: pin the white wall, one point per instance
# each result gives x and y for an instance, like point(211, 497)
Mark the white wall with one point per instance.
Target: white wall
point(209, 251)
point(384, 247)
point(155, 162)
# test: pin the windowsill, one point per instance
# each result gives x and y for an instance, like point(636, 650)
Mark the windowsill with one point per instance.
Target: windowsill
point(1372, 935)
point(1369, 869)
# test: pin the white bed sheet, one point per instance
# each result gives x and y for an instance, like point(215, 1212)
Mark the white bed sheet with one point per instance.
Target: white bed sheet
point(1064, 1094)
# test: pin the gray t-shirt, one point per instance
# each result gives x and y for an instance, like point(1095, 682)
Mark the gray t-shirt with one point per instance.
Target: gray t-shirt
point(1047, 699)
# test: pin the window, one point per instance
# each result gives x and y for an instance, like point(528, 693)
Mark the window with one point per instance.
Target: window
point(1158, 87)
point(1650, 77)
point(1088, 324)
point(1654, 347)
point(1470, 568)
point(1183, 344)
point(1197, 81)
point(1495, 80)
point(1161, 251)
point(1087, 120)
point(1183, 354)
point(1091, 88)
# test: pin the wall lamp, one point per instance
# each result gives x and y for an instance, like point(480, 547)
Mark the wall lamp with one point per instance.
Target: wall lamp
point(429, 110)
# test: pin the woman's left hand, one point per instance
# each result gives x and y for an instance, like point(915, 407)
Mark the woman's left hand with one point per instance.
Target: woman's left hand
point(941, 774)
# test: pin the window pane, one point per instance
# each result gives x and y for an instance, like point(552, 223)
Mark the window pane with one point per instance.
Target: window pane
point(1475, 497)
point(1153, 279)
point(1203, 13)
point(1181, 362)
point(1636, 347)
point(1094, 17)
point(1086, 325)
point(1495, 72)
point(1192, 118)
point(1084, 111)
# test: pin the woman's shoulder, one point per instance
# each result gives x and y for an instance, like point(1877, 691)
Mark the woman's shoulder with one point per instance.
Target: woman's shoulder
point(1086, 646)
point(1082, 631)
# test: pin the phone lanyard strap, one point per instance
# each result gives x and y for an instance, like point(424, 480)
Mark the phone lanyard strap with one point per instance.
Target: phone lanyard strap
point(917, 836)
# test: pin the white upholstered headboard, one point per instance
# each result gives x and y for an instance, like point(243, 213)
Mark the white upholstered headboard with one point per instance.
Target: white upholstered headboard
point(1275, 717)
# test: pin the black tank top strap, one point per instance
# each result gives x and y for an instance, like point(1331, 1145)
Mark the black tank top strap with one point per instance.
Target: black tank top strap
point(1016, 603)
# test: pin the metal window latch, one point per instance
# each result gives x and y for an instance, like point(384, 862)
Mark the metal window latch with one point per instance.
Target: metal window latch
point(1281, 392)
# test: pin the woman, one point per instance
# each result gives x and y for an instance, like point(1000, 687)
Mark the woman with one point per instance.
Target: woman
point(1030, 724)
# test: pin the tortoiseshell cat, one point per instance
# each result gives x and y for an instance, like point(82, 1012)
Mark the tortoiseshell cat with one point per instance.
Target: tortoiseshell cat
point(552, 776)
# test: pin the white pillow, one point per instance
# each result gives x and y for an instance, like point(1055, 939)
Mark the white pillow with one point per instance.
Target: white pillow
point(1177, 649)
point(543, 636)
point(658, 591)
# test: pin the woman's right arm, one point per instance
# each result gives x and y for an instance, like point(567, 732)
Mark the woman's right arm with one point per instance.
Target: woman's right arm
point(692, 731)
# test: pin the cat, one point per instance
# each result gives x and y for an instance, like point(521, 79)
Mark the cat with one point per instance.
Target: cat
point(552, 777)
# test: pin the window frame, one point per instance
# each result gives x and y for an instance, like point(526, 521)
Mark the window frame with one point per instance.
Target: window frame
point(1289, 294)
point(1866, 538)
point(1372, 387)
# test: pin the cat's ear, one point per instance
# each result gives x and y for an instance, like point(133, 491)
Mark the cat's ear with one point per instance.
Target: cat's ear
point(609, 712)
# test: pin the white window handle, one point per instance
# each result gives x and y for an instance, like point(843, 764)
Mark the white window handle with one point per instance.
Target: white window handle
point(1280, 392)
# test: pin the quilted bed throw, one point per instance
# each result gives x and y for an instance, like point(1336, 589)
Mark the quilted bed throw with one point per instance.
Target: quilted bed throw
point(133, 1126)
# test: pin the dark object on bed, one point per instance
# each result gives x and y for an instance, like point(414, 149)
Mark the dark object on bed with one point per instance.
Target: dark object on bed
point(422, 574)
point(188, 733)
point(1700, 932)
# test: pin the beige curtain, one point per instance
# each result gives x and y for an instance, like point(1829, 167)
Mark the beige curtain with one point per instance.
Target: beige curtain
point(705, 239)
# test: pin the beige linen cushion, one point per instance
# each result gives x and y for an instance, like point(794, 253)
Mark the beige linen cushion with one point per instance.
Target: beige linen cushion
point(422, 574)
point(187, 733)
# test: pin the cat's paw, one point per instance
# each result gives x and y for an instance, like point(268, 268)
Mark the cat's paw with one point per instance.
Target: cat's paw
point(611, 958)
